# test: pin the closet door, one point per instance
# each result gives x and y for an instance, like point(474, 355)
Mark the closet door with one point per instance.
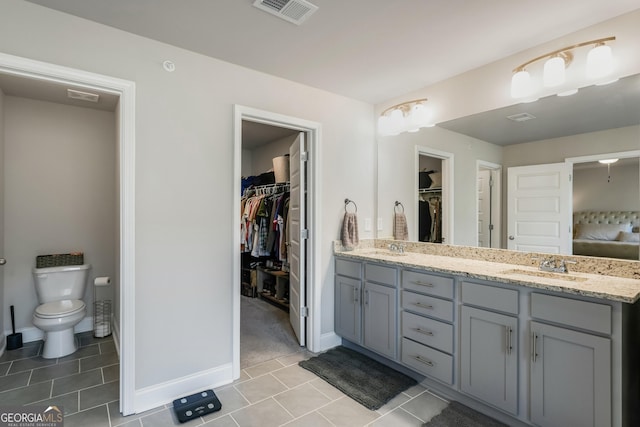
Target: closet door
point(298, 239)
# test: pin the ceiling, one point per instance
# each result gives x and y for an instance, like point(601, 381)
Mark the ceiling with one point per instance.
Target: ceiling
point(371, 50)
point(592, 109)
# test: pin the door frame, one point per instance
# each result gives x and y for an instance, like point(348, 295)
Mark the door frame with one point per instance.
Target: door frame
point(314, 224)
point(447, 190)
point(496, 203)
point(125, 114)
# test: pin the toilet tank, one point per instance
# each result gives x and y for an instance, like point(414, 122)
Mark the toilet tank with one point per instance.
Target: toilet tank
point(58, 283)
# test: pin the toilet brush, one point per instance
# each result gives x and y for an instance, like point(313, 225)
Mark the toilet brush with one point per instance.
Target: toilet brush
point(14, 340)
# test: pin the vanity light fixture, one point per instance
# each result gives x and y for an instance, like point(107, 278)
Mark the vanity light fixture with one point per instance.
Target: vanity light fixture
point(599, 66)
point(408, 116)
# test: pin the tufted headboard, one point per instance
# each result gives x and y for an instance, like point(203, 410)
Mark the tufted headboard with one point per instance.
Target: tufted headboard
point(608, 217)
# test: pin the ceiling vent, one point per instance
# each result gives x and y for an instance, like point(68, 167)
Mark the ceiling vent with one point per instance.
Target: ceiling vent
point(82, 96)
point(295, 11)
point(522, 117)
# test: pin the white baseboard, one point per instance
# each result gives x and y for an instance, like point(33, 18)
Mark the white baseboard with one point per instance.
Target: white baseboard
point(329, 340)
point(164, 393)
point(3, 345)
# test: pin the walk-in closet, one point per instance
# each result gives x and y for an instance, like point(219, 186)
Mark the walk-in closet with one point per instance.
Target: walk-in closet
point(265, 328)
point(430, 199)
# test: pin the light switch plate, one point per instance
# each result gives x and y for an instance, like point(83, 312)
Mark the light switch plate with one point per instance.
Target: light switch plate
point(379, 224)
point(367, 224)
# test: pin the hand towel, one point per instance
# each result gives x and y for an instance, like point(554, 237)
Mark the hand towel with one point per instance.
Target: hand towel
point(400, 229)
point(349, 233)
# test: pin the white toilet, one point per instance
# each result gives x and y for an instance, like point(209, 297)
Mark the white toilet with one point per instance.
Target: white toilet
point(60, 291)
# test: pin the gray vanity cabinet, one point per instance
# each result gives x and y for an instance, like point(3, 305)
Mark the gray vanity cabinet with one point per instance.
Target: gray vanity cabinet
point(570, 369)
point(366, 305)
point(348, 295)
point(428, 324)
point(489, 345)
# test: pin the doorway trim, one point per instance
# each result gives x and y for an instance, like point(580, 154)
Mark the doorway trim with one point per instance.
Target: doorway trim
point(125, 115)
point(314, 225)
point(447, 189)
point(496, 203)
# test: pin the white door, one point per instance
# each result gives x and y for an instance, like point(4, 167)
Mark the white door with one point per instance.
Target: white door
point(539, 208)
point(297, 239)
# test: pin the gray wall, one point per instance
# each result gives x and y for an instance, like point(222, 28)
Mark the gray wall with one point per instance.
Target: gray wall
point(60, 188)
point(593, 192)
point(2, 254)
point(184, 176)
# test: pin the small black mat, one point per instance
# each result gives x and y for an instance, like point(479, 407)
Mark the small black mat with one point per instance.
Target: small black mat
point(456, 414)
point(363, 379)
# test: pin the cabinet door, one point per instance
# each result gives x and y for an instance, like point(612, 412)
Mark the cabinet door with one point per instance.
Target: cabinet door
point(570, 377)
point(348, 309)
point(380, 333)
point(489, 357)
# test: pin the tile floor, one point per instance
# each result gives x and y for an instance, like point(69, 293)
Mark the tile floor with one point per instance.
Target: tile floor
point(273, 393)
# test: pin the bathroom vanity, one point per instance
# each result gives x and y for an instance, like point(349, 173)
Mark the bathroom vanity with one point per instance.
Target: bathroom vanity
point(486, 327)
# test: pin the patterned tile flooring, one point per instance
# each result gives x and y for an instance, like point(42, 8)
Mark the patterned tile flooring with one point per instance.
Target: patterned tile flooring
point(274, 393)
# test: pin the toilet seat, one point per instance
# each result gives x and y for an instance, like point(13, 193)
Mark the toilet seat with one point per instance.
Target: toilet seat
point(61, 308)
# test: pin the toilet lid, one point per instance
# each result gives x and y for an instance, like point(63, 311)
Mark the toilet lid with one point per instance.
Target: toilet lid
point(60, 308)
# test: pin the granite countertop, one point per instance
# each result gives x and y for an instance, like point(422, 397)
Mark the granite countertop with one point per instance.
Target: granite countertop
point(518, 271)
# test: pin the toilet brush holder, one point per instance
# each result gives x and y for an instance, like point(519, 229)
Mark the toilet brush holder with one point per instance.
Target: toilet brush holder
point(14, 341)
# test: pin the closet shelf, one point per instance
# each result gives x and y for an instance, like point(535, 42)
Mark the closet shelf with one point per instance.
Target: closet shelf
point(430, 190)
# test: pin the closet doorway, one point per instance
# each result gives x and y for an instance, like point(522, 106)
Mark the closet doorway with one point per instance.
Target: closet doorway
point(275, 251)
point(434, 209)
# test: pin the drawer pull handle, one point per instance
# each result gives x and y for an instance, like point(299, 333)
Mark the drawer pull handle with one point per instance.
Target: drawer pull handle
point(427, 284)
point(534, 347)
point(421, 305)
point(423, 331)
point(424, 361)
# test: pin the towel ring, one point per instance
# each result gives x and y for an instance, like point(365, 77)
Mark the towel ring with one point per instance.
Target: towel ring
point(346, 203)
point(396, 205)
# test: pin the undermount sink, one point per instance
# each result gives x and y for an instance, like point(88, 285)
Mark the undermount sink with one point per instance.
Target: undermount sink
point(547, 274)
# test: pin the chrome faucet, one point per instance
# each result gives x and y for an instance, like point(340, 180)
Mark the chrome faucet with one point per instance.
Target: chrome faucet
point(555, 265)
point(397, 248)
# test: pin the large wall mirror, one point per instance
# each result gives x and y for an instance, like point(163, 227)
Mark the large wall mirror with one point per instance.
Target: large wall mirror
point(597, 123)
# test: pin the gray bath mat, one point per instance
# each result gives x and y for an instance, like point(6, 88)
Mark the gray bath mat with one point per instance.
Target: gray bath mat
point(458, 415)
point(363, 379)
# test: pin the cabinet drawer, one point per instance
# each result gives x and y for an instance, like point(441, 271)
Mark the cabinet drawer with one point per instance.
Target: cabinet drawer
point(349, 268)
point(428, 331)
point(428, 361)
point(491, 297)
point(428, 283)
point(567, 311)
point(429, 306)
point(380, 274)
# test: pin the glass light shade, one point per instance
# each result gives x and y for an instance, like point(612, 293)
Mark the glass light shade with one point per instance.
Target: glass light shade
point(521, 84)
point(554, 72)
point(607, 161)
point(599, 62)
point(419, 117)
point(396, 122)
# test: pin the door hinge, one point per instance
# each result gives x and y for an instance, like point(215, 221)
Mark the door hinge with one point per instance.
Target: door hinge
point(304, 234)
point(491, 181)
point(304, 311)
point(569, 177)
point(490, 227)
point(304, 156)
